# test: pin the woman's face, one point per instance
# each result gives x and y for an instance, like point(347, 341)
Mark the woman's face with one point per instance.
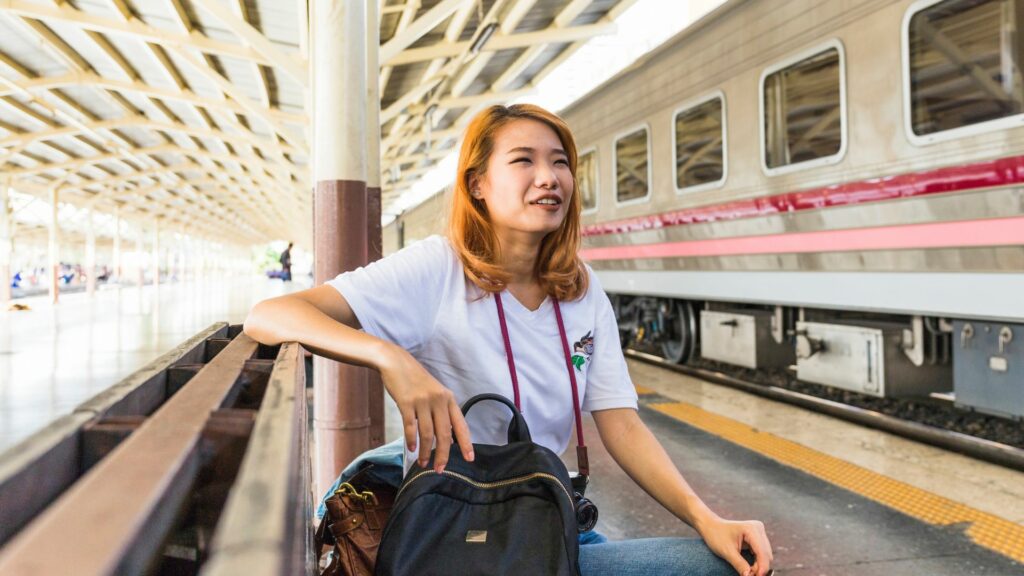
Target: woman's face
point(528, 185)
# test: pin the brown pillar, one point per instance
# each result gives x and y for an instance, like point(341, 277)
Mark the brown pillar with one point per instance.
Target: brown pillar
point(341, 419)
point(375, 387)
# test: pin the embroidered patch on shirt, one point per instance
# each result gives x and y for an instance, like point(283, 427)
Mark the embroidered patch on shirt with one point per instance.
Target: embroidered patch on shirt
point(582, 349)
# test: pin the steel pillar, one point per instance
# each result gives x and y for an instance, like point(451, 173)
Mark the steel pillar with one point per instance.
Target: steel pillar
point(179, 261)
point(53, 250)
point(183, 260)
point(6, 244)
point(341, 416)
point(140, 254)
point(116, 262)
point(90, 255)
point(156, 253)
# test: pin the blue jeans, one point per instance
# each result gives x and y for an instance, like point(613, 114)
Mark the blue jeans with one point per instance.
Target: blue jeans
point(649, 557)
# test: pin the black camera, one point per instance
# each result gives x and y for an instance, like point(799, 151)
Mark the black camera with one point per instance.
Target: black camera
point(586, 511)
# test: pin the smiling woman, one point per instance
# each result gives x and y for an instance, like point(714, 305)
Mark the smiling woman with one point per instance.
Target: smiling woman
point(440, 320)
point(514, 157)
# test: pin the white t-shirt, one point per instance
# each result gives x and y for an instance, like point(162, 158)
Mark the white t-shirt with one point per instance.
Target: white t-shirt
point(419, 299)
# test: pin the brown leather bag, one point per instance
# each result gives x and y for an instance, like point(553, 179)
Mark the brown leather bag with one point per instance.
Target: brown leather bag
point(352, 527)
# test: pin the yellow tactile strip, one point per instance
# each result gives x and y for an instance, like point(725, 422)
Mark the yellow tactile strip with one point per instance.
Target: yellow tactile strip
point(986, 530)
point(643, 390)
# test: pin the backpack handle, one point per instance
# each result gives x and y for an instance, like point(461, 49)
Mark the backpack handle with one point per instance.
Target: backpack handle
point(518, 431)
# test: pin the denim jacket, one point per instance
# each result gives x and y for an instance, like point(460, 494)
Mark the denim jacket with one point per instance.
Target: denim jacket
point(387, 469)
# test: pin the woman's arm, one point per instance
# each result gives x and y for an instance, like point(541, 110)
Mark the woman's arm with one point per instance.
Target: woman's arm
point(322, 320)
point(642, 457)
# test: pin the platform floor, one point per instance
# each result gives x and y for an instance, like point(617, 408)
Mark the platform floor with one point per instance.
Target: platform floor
point(52, 358)
point(836, 498)
point(979, 485)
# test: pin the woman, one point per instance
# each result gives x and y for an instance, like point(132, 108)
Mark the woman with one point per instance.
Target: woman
point(431, 328)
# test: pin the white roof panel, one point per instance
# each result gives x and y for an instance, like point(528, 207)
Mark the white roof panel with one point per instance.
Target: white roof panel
point(25, 48)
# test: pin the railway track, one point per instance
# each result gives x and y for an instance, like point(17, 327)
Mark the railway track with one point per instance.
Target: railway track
point(980, 448)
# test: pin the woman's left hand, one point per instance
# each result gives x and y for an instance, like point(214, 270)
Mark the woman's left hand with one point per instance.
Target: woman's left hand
point(727, 538)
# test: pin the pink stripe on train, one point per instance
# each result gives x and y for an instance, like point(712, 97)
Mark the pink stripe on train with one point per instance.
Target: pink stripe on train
point(963, 234)
point(1001, 172)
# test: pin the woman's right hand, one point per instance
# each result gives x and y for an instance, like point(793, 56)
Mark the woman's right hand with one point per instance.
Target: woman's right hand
point(322, 320)
point(426, 405)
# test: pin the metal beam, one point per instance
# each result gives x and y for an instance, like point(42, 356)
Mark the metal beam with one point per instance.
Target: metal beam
point(78, 64)
point(54, 44)
point(509, 23)
point(212, 68)
point(408, 13)
point(231, 90)
point(407, 99)
point(396, 143)
point(131, 28)
point(90, 79)
point(259, 72)
point(161, 149)
point(419, 28)
point(258, 42)
point(503, 42)
point(438, 70)
point(16, 66)
point(485, 98)
point(436, 135)
point(23, 140)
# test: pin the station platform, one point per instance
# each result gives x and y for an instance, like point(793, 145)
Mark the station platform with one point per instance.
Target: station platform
point(836, 498)
point(53, 358)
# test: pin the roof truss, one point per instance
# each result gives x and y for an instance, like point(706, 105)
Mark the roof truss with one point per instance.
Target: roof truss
point(168, 119)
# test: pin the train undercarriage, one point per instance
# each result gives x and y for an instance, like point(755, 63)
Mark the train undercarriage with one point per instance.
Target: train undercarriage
point(976, 364)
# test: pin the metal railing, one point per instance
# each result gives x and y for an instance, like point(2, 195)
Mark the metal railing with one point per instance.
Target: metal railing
point(196, 463)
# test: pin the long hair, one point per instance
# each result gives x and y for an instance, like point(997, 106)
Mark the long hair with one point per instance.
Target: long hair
point(559, 269)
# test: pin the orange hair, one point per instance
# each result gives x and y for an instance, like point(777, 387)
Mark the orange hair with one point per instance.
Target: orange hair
point(559, 269)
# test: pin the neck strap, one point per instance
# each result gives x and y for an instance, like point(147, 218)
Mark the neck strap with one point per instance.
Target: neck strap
point(582, 461)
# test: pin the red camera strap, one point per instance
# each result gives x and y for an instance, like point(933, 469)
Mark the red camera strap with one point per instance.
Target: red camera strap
point(581, 448)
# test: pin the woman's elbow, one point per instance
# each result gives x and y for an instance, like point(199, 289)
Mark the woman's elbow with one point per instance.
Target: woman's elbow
point(258, 324)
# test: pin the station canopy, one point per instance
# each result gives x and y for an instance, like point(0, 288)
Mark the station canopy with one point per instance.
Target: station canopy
point(197, 113)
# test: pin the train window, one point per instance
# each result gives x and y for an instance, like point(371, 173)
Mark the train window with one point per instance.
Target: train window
point(803, 109)
point(962, 63)
point(586, 177)
point(633, 166)
point(700, 144)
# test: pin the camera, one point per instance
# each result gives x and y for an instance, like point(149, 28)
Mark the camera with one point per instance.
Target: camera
point(586, 511)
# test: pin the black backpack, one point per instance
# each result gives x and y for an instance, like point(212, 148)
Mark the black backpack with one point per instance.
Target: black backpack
point(511, 511)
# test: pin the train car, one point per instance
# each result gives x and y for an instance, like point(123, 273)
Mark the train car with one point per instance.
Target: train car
point(831, 185)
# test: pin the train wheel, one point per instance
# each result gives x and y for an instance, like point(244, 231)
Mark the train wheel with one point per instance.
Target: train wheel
point(679, 323)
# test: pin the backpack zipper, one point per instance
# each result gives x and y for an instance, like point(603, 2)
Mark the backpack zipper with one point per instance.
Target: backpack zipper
point(489, 485)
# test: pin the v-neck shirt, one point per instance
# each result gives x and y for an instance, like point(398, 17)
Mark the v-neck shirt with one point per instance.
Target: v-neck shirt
point(420, 299)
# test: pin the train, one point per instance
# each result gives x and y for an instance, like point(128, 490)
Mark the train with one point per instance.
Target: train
point(831, 187)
